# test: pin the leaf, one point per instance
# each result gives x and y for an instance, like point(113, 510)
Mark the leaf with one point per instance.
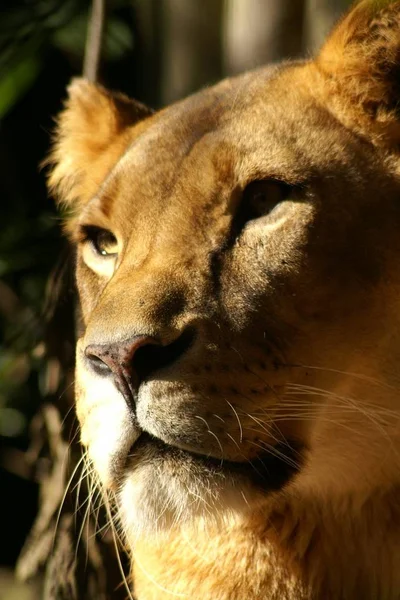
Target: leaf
point(17, 82)
point(72, 38)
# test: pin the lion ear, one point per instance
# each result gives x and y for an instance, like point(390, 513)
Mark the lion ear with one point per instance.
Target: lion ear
point(360, 63)
point(90, 136)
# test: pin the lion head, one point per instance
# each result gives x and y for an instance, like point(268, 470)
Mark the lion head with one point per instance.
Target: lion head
point(237, 265)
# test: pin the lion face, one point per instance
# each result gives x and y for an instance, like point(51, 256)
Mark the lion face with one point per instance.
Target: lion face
point(235, 264)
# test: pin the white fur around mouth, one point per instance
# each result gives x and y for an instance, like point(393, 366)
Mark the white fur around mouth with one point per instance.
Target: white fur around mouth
point(272, 473)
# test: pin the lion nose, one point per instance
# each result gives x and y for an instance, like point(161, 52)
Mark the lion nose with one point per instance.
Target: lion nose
point(117, 359)
point(132, 361)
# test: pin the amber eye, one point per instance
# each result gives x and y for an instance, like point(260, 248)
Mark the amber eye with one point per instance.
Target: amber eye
point(100, 249)
point(103, 242)
point(261, 197)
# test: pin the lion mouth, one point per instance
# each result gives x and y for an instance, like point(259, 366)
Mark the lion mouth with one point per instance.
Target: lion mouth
point(270, 471)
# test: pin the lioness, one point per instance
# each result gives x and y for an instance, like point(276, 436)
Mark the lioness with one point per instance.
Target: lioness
point(238, 367)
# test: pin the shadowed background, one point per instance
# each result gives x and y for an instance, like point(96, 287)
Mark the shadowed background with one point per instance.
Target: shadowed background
point(156, 51)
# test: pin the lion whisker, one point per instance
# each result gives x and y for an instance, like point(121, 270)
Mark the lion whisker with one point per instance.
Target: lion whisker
point(214, 436)
point(361, 376)
point(67, 487)
point(238, 420)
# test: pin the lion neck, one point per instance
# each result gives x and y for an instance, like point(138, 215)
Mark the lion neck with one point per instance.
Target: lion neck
point(296, 550)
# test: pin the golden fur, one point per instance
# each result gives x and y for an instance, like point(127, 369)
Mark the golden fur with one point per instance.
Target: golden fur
point(253, 441)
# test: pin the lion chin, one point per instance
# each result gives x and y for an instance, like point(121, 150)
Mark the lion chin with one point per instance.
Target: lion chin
point(237, 380)
point(167, 487)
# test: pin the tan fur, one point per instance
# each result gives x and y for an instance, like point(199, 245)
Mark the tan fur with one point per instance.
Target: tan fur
point(85, 140)
point(361, 63)
point(293, 320)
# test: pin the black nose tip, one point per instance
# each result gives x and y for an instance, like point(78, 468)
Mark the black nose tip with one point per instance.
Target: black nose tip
point(116, 359)
point(111, 358)
point(132, 361)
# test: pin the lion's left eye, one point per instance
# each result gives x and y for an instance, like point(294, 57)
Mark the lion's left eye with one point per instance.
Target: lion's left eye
point(261, 197)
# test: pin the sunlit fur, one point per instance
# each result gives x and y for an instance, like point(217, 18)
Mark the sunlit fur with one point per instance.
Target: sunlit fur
point(293, 320)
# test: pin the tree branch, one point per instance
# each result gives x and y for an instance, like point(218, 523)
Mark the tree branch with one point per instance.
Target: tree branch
point(94, 40)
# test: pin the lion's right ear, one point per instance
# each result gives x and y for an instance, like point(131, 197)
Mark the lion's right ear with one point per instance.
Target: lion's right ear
point(90, 136)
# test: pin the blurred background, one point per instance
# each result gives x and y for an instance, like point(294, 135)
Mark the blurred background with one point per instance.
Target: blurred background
point(156, 51)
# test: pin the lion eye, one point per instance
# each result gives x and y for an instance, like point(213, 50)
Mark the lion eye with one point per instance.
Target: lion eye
point(104, 242)
point(100, 250)
point(261, 197)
